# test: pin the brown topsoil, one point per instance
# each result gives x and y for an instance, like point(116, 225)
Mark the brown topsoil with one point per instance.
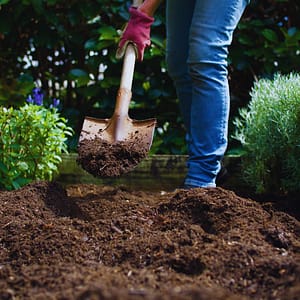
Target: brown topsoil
point(104, 159)
point(101, 242)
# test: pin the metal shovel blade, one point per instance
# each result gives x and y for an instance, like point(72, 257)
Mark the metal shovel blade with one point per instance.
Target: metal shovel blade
point(115, 130)
point(120, 127)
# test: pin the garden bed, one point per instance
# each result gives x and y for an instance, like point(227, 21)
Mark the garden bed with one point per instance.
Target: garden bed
point(87, 241)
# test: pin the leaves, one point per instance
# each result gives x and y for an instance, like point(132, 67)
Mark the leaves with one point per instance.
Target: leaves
point(107, 33)
point(269, 131)
point(270, 35)
point(32, 141)
point(80, 76)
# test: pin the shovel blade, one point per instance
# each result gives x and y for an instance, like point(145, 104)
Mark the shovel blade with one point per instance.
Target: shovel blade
point(119, 129)
point(92, 128)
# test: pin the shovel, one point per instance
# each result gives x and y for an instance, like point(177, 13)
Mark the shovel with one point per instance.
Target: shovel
point(120, 141)
point(120, 127)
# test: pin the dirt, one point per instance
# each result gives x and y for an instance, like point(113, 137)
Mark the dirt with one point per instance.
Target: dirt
point(103, 159)
point(103, 242)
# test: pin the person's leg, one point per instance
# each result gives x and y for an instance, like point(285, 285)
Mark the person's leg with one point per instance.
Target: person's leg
point(206, 109)
point(179, 16)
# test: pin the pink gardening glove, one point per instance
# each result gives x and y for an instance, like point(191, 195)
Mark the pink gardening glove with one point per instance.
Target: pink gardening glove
point(137, 32)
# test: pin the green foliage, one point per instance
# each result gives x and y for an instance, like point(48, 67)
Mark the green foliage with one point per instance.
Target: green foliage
point(269, 131)
point(265, 42)
point(167, 141)
point(32, 139)
point(268, 44)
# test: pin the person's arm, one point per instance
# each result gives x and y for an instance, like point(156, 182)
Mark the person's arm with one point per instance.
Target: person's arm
point(138, 28)
point(149, 7)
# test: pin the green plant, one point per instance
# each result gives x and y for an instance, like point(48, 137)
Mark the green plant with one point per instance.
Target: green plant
point(269, 131)
point(32, 139)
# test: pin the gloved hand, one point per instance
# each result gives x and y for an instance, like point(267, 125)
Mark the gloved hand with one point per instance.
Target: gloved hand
point(137, 31)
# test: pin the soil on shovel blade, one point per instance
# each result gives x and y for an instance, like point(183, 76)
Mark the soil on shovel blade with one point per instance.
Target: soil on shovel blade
point(103, 159)
point(101, 242)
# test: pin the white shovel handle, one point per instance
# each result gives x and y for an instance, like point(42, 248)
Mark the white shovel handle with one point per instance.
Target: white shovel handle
point(128, 67)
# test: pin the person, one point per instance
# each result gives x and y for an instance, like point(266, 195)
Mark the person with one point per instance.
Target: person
point(198, 34)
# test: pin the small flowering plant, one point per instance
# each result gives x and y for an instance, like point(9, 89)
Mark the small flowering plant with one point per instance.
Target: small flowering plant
point(32, 139)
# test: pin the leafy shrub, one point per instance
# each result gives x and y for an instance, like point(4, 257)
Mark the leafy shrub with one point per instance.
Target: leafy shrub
point(32, 139)
point(269, 131)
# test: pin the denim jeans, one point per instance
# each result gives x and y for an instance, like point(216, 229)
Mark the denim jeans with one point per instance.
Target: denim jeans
point(198, 35)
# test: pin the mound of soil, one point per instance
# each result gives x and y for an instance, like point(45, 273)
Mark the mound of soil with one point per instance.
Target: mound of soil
point(103, 159)
point(100, 242)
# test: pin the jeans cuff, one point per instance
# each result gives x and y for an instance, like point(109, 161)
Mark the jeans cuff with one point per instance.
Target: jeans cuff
point(196, 183)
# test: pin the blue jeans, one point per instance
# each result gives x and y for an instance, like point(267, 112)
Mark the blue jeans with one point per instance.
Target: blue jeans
point(198, 35)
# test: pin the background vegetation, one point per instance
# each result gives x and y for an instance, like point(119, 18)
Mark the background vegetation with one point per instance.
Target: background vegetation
point(269, 130)
point(68, 49)
point(32, 139)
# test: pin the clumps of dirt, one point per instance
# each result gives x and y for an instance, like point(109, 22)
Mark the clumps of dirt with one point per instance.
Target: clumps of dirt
point(103, 159)
point(102, 242)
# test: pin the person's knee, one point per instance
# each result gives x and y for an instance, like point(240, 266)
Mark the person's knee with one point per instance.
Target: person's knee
point(210, 52)
point(208, 72)
point(207, 61)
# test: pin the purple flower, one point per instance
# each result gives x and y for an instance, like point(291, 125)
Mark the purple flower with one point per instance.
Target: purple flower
point(29, 99)
point(38, 96)
point(56, 102)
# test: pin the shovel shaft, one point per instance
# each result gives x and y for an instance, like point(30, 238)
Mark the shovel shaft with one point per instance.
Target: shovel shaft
point(128, 68)
point(124, 93)
point(122, 103)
